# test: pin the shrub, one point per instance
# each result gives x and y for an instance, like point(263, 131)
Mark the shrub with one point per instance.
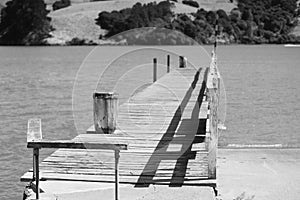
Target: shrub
point(78, 42)
point(211, 17)
point(61, 4)
point(222, 14)
point(200, 14)
point(235, 15)
point(191, 3)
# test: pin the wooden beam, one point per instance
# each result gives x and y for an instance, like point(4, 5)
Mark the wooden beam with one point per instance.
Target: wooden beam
point(76, 145)
point(196, 181)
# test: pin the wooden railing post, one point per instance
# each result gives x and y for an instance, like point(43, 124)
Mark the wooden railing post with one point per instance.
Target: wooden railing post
point(154, 70)
point(212, 142)
point(182, 62)
point(168, 63)
point(105, 112)
point(213, 100)
point(117, 156)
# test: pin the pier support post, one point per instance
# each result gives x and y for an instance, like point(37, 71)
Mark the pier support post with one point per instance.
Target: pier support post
point(34, 134)
point(154, 70)
point(36, 171)
point(33, 165)
point(168, 63)
point(212, 144)
point(105, 112)
point(182, 61)
point(117, 157)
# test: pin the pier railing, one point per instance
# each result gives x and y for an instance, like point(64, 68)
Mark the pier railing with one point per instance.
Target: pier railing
point(212, 93)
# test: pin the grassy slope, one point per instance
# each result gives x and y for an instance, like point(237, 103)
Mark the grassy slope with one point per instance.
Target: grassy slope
point(78, 20)
point(2, 3)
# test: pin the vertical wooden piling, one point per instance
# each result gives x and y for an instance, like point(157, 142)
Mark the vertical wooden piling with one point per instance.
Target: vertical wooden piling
point(154, 70)
point(213, 100)
point(168, 63)
point(34, 134)
point(105, 112)
point(212, 143)
point(182, 62)
point(33, 164)
point(117, 156)
point(36, 172)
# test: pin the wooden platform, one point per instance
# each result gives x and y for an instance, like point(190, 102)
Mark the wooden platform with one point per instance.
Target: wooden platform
point(166, 127)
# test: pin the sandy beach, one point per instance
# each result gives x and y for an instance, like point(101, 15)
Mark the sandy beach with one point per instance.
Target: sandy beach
point(261, 174)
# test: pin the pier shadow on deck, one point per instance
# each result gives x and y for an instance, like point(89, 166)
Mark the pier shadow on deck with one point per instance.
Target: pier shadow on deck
point(180, 132)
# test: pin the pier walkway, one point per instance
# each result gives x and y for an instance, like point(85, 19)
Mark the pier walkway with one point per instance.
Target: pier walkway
point(169, 129)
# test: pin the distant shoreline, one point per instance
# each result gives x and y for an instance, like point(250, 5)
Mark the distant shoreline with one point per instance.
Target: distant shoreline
point(80, 24)
point(117, 45)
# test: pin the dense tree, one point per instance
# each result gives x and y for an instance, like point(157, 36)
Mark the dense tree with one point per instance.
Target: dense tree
point(247, 15)
point(235, 15)
point(211, 17)
point(191, 3)
point(222, 14)
point(276, 16)
point(152, 14)
point(24, 22)
point(201, 14)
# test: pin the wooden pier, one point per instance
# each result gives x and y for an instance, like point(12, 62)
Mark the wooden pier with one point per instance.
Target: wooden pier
point(166, 135)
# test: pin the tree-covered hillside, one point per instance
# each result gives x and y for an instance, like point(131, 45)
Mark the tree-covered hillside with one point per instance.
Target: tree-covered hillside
point(25, 22)
point(253, 22)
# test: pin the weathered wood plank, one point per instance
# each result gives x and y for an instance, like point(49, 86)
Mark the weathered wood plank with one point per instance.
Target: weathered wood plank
point(75, 145)
point(200, 181)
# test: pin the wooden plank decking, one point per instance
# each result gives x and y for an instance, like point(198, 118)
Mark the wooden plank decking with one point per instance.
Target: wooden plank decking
point(166, 129)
